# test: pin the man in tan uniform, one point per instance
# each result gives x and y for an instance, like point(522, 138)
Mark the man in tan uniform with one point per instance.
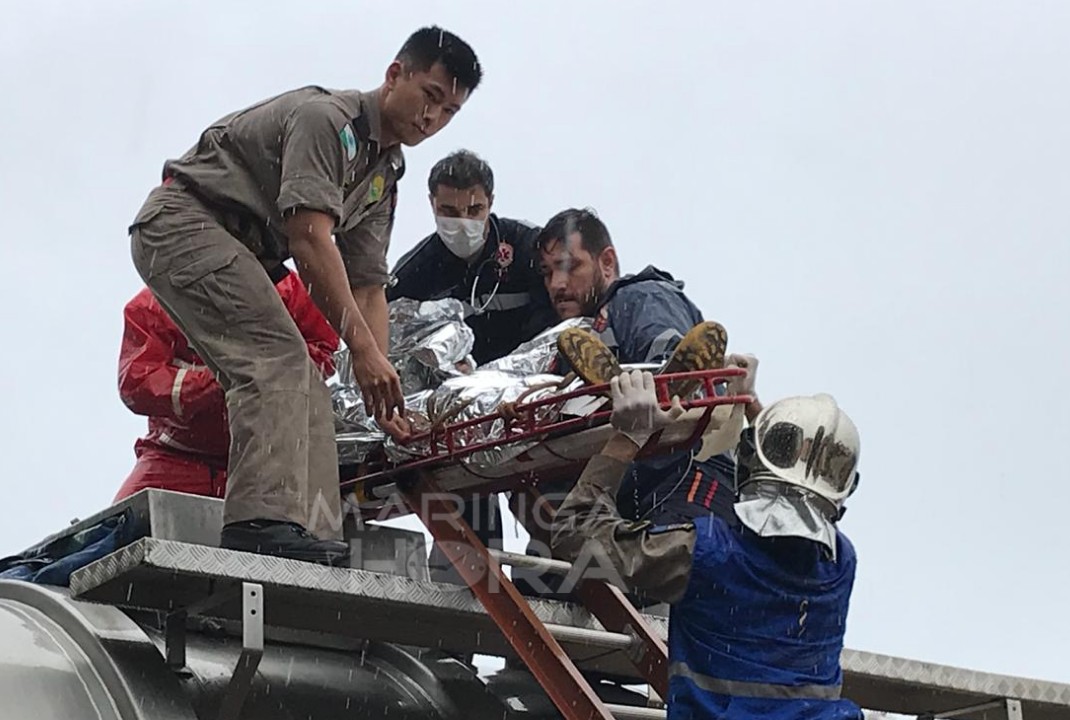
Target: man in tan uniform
point(273, 181)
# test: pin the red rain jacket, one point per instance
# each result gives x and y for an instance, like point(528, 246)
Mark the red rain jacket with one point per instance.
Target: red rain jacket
point(161, 377)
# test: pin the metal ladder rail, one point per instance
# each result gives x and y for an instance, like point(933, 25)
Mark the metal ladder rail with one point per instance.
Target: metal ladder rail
point(530, 638)
point(649, 654)
point(647, 651)
point(535, 642)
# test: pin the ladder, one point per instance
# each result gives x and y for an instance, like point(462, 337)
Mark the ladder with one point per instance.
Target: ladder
point(535, 642)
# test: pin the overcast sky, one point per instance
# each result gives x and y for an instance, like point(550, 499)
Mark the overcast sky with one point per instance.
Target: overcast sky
point(870, 196)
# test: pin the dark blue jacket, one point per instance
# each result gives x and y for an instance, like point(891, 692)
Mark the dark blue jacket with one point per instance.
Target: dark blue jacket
point(644, 316)
point(52, 561)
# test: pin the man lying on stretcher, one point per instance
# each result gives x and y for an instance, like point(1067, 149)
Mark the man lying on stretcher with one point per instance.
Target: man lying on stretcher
point(641, 318)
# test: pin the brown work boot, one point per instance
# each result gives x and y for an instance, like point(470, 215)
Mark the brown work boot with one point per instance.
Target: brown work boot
point(703, 348)
point(589, 357)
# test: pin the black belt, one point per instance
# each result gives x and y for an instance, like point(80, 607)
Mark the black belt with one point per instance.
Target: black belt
point(243, 226)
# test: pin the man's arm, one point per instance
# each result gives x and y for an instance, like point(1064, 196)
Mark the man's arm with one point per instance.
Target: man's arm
point(656, 561)
point(314, 167)
point(320, 263)
point(745, 385)
point(364, 248)
point(371, 300)
point(753, 409)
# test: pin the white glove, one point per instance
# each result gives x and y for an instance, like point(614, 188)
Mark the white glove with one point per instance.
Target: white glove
point(636, 413)
point(742, 384)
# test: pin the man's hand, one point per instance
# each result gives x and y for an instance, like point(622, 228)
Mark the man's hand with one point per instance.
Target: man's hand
point(397, 427)
point(636, 413)
point(742, 384)
point(379, 382)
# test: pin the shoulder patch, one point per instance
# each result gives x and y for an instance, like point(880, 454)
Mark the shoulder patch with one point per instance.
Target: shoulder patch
point(349, 141)
point(504, 254)
point(375, 190)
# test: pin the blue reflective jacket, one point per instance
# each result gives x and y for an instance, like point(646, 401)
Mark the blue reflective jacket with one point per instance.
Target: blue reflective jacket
point(760, 629)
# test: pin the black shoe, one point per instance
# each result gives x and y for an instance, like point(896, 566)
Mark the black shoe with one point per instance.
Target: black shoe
point(284, 539)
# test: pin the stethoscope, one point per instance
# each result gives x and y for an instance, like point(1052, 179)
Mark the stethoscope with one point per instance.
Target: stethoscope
point(478, 309)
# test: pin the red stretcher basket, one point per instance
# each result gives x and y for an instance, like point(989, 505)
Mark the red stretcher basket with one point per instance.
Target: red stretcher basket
point(446, 449)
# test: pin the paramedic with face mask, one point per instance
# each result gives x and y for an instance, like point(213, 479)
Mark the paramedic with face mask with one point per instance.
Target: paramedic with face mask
point(759, 606)
point(487, 262)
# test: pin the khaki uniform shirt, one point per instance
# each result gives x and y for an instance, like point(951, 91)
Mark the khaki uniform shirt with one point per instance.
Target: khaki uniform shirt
point(309, 148)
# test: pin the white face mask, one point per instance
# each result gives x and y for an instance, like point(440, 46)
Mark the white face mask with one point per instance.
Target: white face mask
point(462, 236)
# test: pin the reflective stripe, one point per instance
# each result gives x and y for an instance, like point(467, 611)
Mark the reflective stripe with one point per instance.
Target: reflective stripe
point(176, 392)
point(177, 362)
point(695, 483)
point(166, 439)
point(505, 301)
point(742, 688)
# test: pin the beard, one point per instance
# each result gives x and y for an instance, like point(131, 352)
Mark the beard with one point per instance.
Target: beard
point(585, 305)
point(594, 298)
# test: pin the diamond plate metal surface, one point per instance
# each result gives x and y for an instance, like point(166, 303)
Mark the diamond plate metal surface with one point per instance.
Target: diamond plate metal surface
point(161, 574)
point(944, 677)
point(210, 562)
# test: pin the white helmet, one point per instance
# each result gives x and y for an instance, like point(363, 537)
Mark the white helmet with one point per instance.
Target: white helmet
point(797, 469)
point(809, 442)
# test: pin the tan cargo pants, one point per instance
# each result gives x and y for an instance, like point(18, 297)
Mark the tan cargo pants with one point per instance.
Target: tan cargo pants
point(283, 461)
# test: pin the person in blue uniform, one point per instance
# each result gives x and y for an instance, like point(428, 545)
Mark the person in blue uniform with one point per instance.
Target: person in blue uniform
point(759, 608)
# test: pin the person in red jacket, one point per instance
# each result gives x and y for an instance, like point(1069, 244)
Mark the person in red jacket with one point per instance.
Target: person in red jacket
point(161, 377)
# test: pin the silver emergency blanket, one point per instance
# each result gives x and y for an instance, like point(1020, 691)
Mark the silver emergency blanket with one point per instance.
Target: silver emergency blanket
point(477, 395)
point(430, 348)
point(429, 343)
point(771, 509)
point(534, 356)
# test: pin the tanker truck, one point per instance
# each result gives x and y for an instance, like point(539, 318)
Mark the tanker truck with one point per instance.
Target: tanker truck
point(165, 625)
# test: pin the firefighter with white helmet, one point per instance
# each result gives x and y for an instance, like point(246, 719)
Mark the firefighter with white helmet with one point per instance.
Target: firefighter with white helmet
point(759, 606)
point(796, 467)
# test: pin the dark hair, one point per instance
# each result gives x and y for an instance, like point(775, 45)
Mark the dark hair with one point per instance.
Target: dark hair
point(461, 169)
point(429, 45)
point(594, 236)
